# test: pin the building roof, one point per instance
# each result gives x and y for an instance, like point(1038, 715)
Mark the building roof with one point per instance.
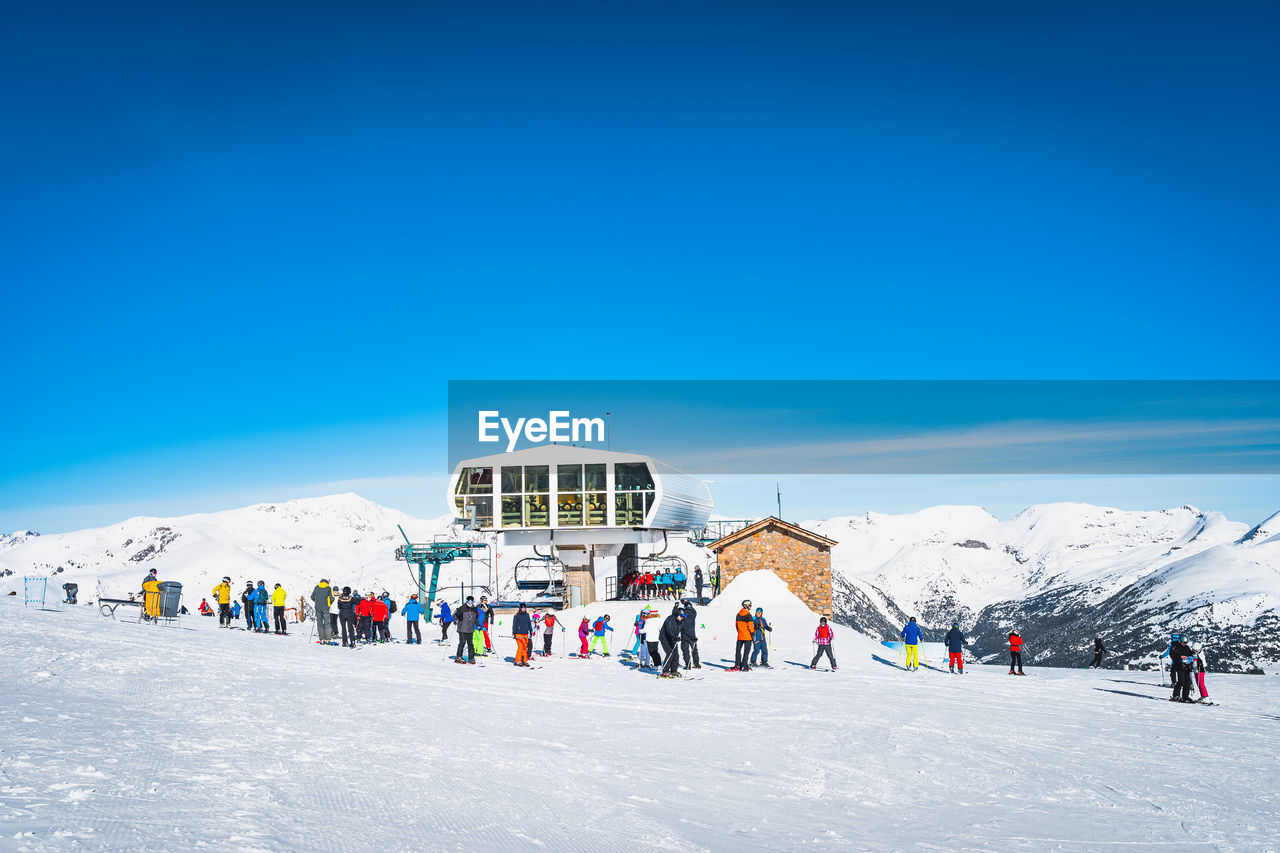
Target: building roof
point(763, 524)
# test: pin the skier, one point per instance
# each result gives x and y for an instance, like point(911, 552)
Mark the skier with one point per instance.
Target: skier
point(347, 617)
point(548, 627)
point(521, 630)
point(955, 648)
point(222, 593)
point(697, 581)
point(489, 622)
point(1015, 653)
point(638, 628)
point(260, 599)
point(584, 631)
point(248, 598)
point(670, 635)
point(380, 615)
point(1098, 649)
point(645, 660)
point(412, 613)
point(278, 600)
point(364, 616)
point(680, 580)
point(911, 636)
point(390, 604)
point(823, 637)
point(321, 598)
point(1199, 669)
point(598, 636)
point(446, 619)
point(746, 629)
point(1180, 657)
point(235, 610)
point(689, 637)
point(465, 620)
point(482, 628)
point(71, 589)
point(760, 640)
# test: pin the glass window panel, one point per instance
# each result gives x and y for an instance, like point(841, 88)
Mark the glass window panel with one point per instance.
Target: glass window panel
point(632, 477)
point(569, 478)
point(476, 481)
point(511, 511)
point(484, 510)
point(570, 514)
point(537, 478)
point(512, 480)
point(595, 477)
point(536, 512)
point(597, 508)
point(629, 509)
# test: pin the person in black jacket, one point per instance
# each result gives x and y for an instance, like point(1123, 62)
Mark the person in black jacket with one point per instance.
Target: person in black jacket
point(522, 631)
point(1098, 649)
point(248, 598)
point(1180, 656)
point(672, 631)
point(347, 617)
point(697, 581)
point(466, 617)
point(689, 637)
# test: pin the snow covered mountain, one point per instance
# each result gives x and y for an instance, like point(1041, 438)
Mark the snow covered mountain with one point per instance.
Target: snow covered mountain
point(1060, 573)
point(1064, 573)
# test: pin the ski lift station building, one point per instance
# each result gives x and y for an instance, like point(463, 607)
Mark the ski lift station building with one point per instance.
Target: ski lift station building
point(579, 503)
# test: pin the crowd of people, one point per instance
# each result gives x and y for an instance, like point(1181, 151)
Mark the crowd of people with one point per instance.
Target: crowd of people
point(361, 619)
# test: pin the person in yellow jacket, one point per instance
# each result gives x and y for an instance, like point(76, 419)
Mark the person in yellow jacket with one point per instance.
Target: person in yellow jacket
point(151, 596)
point(222, 592)
point(279, 598)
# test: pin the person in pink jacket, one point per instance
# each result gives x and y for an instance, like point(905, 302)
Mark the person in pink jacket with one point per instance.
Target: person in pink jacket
point(584, 631)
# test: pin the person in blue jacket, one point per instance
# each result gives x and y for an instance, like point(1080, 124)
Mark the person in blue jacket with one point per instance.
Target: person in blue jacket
point(955, 648)
point(446, 619)
point(680, 580)
point(412, 613)
point(911, 635)
point(598, 628)
point(477, 637)
point(760, 640)
point(235, 609)
point(260, 599)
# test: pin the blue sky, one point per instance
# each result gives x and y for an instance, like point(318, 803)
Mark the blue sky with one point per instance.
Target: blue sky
point(246, 245)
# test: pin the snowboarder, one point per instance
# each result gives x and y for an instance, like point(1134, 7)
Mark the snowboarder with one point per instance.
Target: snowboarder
point(584, 631)
point(466, 619)
point(278, 601)
point(412, 613)
point(823, 637)
point(955, 648)
point(697, 581)
point(1015, 653)
point(1180, 657)
point(347, 617)
point(222, 594)
point(760, 640)
point(521, 630)
point(446, 619)
point(70, 589)
point(321, 598)
point(745, 625)
point(911, 636)
point(1098, 649)
point(689, 637)
point(670, 635)
point(598, 629)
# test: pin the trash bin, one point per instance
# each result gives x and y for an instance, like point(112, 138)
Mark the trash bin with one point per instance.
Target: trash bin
point(170, 599)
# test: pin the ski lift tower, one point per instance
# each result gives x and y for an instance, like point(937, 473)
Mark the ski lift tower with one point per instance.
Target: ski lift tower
point(437, 554)
point(580, 503)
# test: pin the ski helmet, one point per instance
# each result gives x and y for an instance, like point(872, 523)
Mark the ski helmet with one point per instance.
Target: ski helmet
point(522, 605)
point(759, 609)
point(346, 590)
point(746, 602)
point(912, 619)
point(1175, 636)
point(822, 620)
point(955, 624)
point(226, 580)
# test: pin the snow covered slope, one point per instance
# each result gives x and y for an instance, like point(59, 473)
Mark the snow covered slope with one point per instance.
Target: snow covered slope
point(121, 736)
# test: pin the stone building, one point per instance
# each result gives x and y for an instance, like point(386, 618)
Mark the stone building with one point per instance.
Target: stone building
point(801, 558)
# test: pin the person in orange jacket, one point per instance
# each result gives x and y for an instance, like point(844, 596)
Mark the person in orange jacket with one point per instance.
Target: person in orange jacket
point(746, 625)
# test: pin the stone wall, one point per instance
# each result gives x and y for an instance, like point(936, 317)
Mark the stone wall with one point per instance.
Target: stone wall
point(802, 565)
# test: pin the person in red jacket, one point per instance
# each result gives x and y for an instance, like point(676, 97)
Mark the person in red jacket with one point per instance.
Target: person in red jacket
point(379, 613)
point(364, 617)
point(1015, 653)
